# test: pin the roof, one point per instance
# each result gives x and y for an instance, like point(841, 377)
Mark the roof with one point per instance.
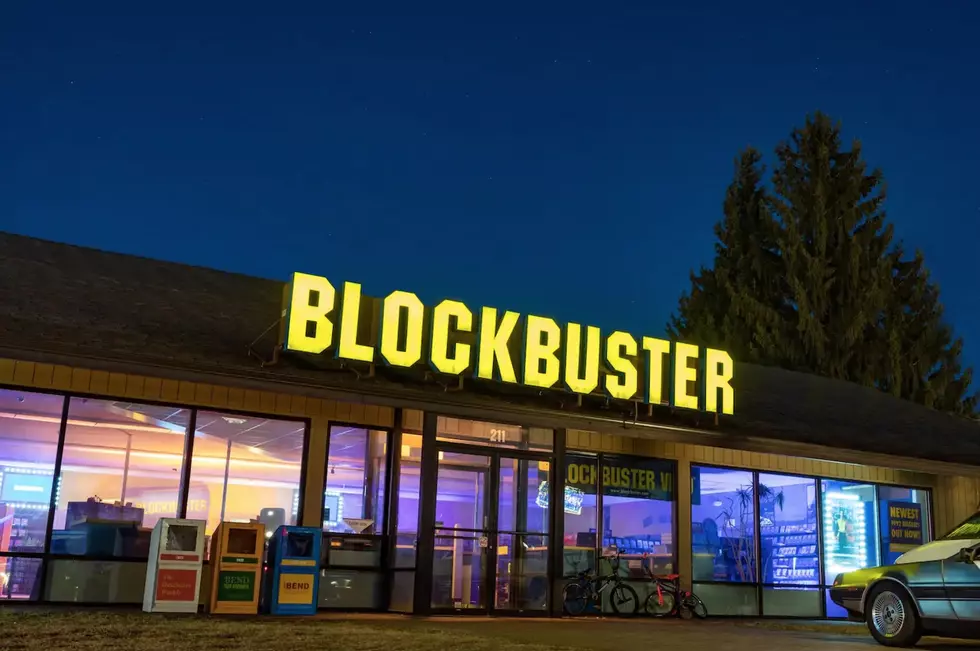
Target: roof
point(80, 302)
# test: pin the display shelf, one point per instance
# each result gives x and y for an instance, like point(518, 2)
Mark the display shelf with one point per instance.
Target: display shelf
point(790, 550)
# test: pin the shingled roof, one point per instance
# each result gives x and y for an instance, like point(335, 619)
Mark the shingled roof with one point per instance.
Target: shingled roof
point(67, 300)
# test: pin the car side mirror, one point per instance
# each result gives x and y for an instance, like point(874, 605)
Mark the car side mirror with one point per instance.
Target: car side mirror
point(967, 555)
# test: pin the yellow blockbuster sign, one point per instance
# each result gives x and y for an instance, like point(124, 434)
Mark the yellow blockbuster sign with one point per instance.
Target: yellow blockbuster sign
point(492, 344)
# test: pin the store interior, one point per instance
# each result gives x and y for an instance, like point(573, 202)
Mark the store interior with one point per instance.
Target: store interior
point(120, 473)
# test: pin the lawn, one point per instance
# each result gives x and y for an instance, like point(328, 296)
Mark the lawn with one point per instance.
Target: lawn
point(30, 630)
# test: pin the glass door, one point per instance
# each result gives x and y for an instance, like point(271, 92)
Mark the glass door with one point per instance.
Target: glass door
point(522, 526)
point(491, 533)
point(462, 533)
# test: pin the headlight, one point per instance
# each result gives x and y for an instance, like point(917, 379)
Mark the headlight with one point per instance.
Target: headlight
point(838, 580)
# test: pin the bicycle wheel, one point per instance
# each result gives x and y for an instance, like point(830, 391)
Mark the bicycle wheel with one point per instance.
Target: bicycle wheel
point(575, 599)
point(660, 605)
point(692, 606)
point(623, 600)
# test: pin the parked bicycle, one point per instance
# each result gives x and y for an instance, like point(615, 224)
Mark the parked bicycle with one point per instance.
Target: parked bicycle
point(668, 599)
point(587, 590)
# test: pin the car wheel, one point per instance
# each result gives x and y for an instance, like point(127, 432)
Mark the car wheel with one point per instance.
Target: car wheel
point(892, 617)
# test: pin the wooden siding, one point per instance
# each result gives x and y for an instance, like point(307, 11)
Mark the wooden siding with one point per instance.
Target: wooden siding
point(701, 454)
point(957, 498)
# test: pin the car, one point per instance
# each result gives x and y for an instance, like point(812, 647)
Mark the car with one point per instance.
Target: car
point(933, 589)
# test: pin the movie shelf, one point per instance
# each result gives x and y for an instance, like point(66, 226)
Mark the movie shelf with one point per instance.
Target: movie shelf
point(792, 553)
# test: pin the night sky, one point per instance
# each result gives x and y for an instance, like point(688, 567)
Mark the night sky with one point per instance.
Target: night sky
point(567, 159)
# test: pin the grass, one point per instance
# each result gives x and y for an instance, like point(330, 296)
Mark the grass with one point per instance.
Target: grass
point(27, 630)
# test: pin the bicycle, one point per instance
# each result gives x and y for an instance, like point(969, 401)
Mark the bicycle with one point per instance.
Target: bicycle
point(669, 599)
point(587, 590)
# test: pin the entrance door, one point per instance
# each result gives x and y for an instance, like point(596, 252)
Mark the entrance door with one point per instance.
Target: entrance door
point(522, 525)
point(491, 533)
point(462, 533)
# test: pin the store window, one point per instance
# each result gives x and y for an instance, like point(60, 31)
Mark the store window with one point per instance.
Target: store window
point(638, 511)
point(409, 486)
point(904, 520)
point(246, 468)
point(788, 526)
point(581, 514)
point(788, 545)
point(120, 473)
point(850, 531)
point(29, 428)
point(354, 490)
point(723, 525)
point(495, 435)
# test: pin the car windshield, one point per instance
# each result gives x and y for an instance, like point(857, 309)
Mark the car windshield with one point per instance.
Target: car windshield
point(970, 529)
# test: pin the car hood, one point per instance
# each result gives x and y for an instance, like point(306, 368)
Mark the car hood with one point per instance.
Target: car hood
point(935, 551)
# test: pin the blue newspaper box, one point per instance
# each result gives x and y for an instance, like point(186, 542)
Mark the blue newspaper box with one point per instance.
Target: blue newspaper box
point(293, 571)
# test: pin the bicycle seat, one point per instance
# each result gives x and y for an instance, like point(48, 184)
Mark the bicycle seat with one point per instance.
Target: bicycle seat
point(668, 577)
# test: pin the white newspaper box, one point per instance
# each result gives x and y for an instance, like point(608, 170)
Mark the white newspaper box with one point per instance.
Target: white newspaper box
point(173, 571)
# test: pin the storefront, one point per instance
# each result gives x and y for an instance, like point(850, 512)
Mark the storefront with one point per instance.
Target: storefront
point(457, 460)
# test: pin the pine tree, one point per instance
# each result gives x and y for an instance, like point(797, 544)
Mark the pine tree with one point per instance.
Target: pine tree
point(735, 305)
point(834, 244)
point(920, 357)
point(807, 277)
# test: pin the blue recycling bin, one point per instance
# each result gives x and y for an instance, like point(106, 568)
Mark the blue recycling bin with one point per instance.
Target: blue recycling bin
point(293, 571)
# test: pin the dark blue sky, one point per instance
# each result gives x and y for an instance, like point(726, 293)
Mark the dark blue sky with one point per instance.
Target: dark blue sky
point(564, 158)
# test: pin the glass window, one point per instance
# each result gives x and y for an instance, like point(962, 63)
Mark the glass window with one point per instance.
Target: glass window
point(29, 428)
point(791, 602)
point(722, 525)
point(407, 526)
point(522, 544)
point(638, 512)
point(729, 600)
point(788, 524)
point(494, 435)
point(245, 468)
point(28, 446)
point(354, 491)
point(581, 514)
point(850, 536)
point(120, 473)
point(904, 520)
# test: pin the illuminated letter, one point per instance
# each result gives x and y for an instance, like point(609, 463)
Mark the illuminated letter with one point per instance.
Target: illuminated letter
point(684, 374)
point(656, 350)
point(619, 344)
point(397, 303)
point(542, 336)
point(441, 360)
point(493, 345)
point(347, 347)
point(715, 378)
point(576, 380)
point(308, 330)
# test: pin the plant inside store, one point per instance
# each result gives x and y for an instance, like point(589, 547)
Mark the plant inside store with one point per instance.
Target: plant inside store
point(737, 527)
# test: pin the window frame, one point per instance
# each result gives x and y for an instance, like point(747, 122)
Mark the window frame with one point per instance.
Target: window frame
point(601, 458)
point(821, 587)
point(186, 463)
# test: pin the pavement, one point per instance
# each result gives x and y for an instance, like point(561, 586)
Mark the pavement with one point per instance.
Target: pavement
point(670, 635)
